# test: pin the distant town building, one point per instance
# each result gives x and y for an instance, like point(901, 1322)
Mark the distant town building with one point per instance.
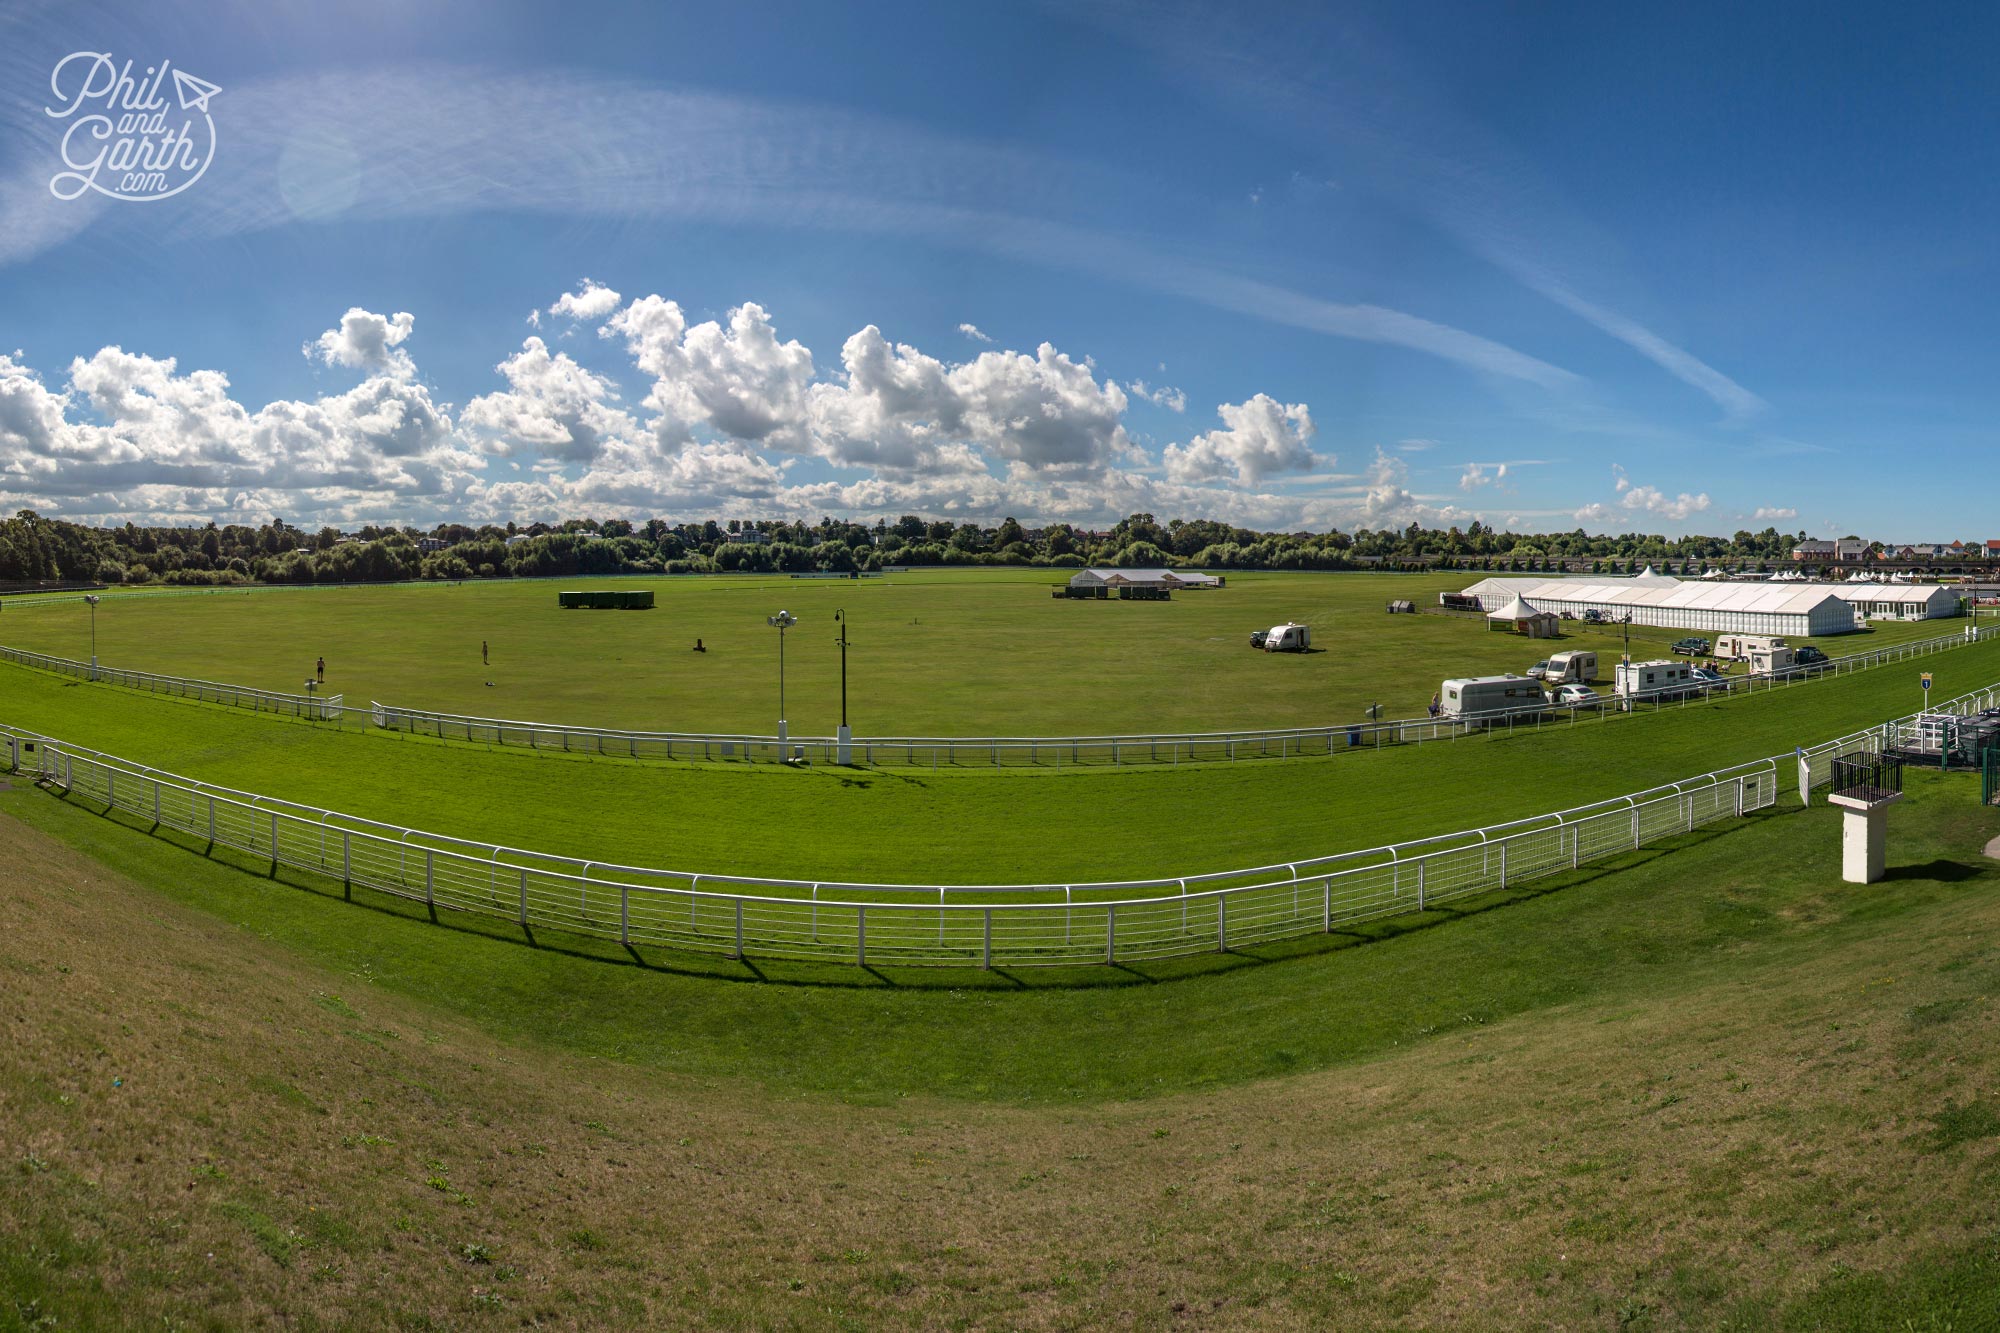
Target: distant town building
point(1845, 550)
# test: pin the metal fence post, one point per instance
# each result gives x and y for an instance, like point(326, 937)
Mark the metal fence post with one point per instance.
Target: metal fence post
point(1111, 932)
point(860, 934)
point(211, 819)
point(430, 899)
point(739, 930)
point(1422, 862)
point(987, 956)
point(346, 859)
point(1222, 923)
point(524, 895)
point(625, 915)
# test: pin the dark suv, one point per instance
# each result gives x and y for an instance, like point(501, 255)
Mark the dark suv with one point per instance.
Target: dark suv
point(1691, 647)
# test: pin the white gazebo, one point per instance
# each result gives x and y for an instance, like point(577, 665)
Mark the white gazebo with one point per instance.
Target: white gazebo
point(1520, 618)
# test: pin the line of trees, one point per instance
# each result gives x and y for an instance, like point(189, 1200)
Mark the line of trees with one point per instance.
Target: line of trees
point(37, 549)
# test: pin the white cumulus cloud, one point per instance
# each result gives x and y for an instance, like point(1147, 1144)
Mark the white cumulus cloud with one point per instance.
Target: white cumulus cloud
point(973, 332)
point(366, 341)
point(1652, 500)
point(1770, 513)
point(1260, 438)
point(589, 303)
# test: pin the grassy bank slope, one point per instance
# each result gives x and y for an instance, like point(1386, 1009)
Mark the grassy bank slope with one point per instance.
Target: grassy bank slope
point(1762, 1103)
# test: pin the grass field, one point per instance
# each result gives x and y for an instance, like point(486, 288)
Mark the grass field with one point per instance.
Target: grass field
point(1700, 1086)
point(975, 652)
point(1702, 1091)
point(972, 826)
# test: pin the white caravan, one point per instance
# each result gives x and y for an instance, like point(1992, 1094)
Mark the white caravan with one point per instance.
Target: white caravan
point(1736, 647)
point(1486, 698)
point(1770, 661)
point(1662, 679)
point(1578, 665)
point(1290, 637)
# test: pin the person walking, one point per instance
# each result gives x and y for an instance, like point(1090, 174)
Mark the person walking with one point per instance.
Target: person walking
point(484, 660)
point(320, 667)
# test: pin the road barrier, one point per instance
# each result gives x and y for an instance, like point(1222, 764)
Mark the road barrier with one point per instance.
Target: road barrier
point(966, 925)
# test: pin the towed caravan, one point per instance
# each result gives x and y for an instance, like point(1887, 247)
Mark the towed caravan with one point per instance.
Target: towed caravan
point(1490, 698)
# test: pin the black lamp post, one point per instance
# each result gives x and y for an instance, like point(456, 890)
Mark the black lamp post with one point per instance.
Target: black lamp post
point(91, 598)
point(844, 747)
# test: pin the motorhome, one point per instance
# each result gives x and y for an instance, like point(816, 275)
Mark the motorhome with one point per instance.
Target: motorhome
point(1736, 647)
point(1663, 679)
point(1485, 698)
point(1578, 664)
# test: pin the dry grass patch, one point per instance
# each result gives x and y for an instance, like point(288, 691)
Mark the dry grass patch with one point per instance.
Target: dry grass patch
point(204, 1132)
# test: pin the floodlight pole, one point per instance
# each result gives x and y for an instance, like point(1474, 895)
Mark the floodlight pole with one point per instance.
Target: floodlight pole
point(844, 747)
point(91, 598)
point(783, 621)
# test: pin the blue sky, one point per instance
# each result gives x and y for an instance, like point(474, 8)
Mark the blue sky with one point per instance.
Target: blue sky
point(1550, 266)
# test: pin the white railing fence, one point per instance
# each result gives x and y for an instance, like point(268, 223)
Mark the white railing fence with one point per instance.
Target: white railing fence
point(1082, 751)
point(312, 707)
point(975, 925)
point(1815, 762)
point(953, 751)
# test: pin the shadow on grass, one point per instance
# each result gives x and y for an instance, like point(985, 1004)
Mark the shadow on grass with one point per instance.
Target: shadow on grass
point(1942, 869)
point(836, 973)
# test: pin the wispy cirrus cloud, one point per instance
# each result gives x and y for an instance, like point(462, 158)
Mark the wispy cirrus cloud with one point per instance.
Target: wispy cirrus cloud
point(1351, 92)
point(436, 140)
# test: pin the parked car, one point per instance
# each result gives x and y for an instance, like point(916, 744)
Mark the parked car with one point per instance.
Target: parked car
point(1538, 670)
point(1257, 637)
point(1593, 616)
point(1691, 647)
point(1577, 696)
point(1809, 656)
point(1710, 680)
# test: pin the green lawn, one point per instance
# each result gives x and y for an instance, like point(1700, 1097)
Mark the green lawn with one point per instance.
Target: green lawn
point(1688, 908)
point(942, 652)
point(960, 827)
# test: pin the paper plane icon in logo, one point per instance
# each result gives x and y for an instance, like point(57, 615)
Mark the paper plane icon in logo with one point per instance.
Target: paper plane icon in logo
point(194, 93)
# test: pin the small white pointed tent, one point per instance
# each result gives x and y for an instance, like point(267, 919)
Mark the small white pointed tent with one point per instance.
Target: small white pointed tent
point(1521, 618)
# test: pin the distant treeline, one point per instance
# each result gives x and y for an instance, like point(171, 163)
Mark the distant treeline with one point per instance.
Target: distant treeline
point(37, 548)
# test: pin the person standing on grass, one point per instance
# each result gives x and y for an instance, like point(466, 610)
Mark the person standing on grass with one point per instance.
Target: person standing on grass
point(484, 660)
point(320, 667)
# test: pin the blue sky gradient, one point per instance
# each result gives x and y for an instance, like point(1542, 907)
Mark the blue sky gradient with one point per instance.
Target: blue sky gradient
point(1695, 269)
